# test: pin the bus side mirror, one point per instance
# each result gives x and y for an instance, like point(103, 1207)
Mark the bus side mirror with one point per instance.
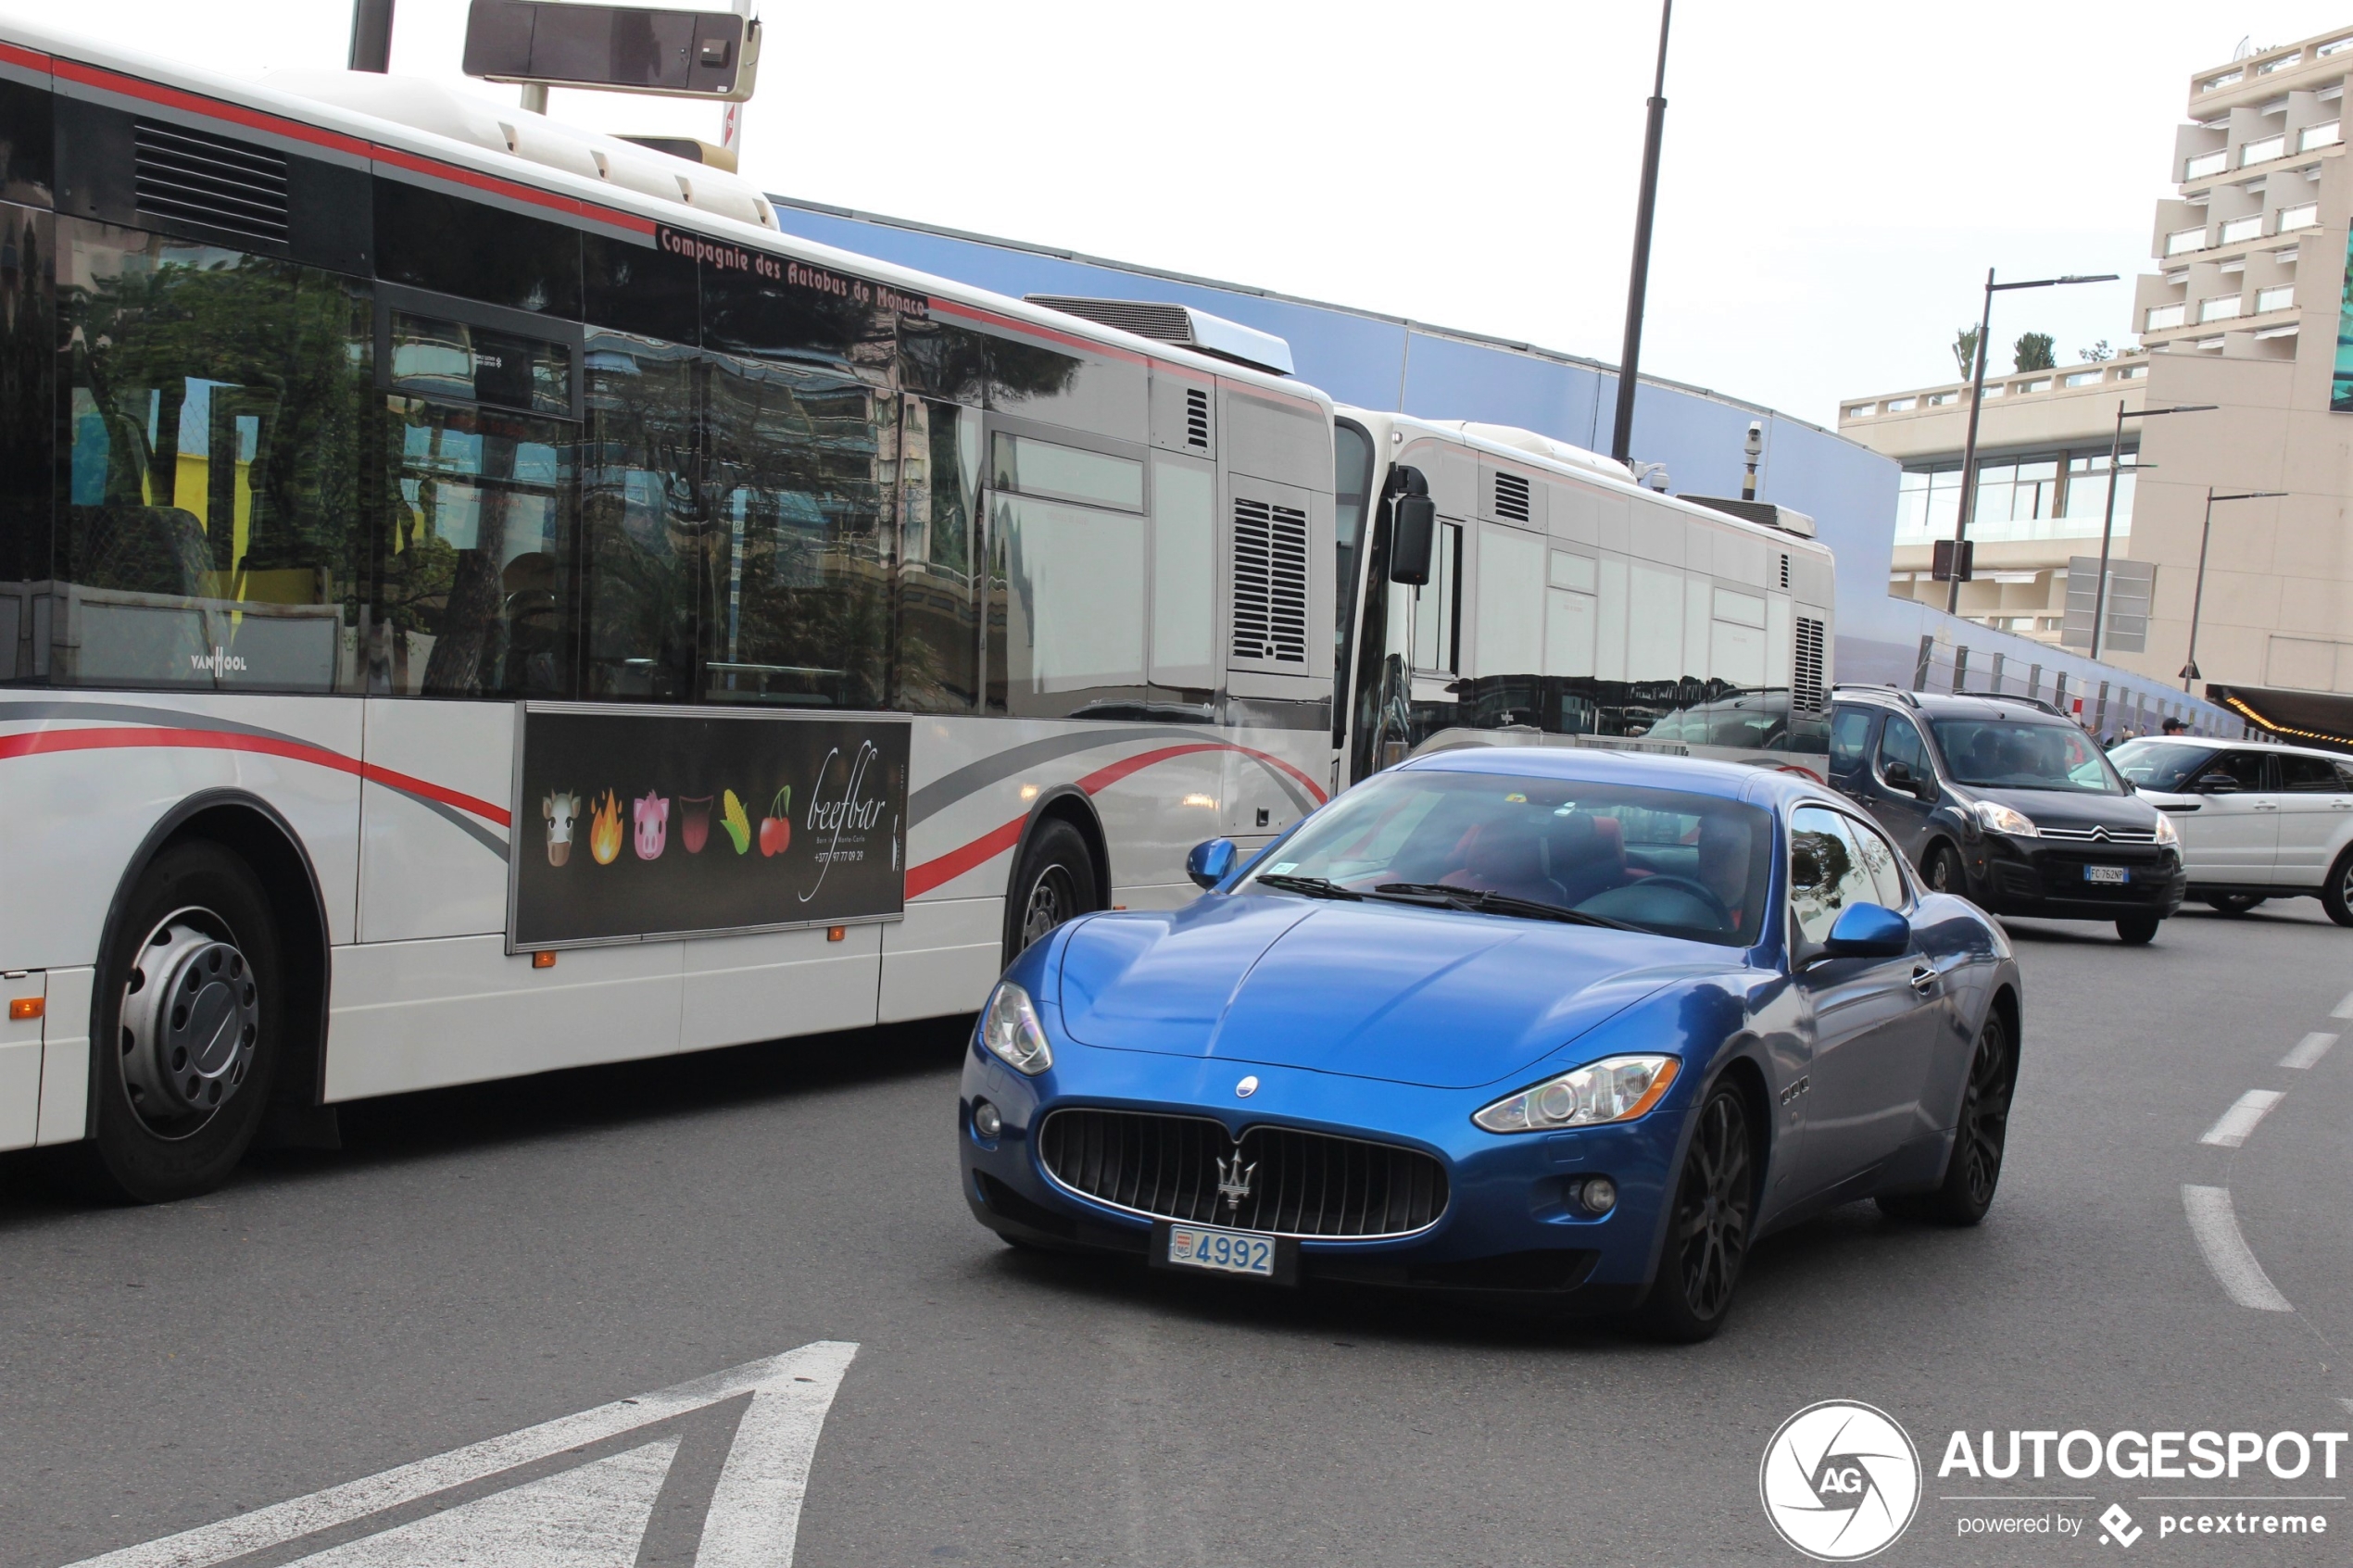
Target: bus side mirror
point(1212, 861)
point(1412, 531)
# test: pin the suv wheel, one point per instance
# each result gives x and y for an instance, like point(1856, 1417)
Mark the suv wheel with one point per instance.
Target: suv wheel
point(2235, 903)
point(1944, 872)
point(2337, 894)
point(2139, 931)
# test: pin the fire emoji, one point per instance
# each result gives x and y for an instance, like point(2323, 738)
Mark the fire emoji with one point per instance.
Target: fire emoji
point(604, 829)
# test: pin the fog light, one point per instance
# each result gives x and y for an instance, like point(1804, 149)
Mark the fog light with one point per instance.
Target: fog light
point(986, 1121)
point(1601, 1195)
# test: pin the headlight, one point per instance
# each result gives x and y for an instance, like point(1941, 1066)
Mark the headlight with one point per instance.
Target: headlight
point(1616, 1090)
point(2166, 832)
point(2001, 819)
point(1010, 1031)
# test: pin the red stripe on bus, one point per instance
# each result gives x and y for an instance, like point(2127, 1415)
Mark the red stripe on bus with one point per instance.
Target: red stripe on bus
point(980, 851)
point(496, 185)
point(1031, 329)
point(11, 54)
point(34, 743)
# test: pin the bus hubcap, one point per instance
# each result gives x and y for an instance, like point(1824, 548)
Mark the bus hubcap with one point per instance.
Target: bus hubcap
point(190, 1017)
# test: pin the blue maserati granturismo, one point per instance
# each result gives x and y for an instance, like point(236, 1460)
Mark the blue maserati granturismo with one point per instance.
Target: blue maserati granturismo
point(1566, 1027)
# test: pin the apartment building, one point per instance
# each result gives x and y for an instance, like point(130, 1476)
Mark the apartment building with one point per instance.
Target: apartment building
point(2241, 310)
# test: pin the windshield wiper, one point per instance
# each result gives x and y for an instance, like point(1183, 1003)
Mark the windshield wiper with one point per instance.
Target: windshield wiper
point(1311, 887)
point(1492, 903)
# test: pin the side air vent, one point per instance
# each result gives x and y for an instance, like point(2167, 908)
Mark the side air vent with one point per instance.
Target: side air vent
point(1270, 583)
point(1511, 497)
point(1806, 673)
point(188, 177)
point(1785, 572)
point(1197, 418)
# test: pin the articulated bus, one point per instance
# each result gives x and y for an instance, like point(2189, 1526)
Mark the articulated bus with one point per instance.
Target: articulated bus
point(476, 599)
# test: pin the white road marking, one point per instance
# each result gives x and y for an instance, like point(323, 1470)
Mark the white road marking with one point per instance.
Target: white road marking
point(590, 1517)
point(2234, 1124)
point(2344, 1008)
point(2308, 1051)
point(2216, 1230)
point(807, 1378)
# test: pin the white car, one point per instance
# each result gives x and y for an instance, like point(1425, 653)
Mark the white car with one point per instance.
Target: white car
point(2257, 821)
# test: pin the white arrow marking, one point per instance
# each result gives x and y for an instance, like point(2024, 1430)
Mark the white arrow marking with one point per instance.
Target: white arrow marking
point(805, 1378)
point(591, 1517)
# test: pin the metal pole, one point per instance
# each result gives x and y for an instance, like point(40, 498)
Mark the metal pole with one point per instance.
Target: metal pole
point(1622, 444)
point(371, 36)
point(2197, 595)
point(2108, 529)
point(1969, 450)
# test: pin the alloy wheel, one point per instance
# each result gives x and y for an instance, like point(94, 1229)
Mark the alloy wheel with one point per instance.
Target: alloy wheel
point(1711, 1208)
point(1053, 898)
point(1985, 1113)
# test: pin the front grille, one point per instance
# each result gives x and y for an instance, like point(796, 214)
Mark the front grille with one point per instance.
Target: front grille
point(2102, 834)
point(1301, 1184)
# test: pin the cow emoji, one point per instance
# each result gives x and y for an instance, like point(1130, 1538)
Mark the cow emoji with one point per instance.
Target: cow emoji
point(652, 815)
point(559, 808)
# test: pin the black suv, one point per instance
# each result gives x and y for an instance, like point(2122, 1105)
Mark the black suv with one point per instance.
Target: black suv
point(2008, 802)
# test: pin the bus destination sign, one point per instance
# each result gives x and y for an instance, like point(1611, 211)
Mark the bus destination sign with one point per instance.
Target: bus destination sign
point(723, 257)
point(640, 824)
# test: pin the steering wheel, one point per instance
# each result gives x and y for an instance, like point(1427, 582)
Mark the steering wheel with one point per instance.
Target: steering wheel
point(1700, 890)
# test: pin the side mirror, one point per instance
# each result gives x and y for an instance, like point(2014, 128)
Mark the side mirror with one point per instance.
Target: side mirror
point(1412, 535)
point(1212, 861)
point(2216, 783)
point(1868, 931)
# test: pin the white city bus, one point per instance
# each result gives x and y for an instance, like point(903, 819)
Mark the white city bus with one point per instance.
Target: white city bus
point(475, 599)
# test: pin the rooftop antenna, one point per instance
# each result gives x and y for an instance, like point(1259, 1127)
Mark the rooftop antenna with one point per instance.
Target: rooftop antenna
point(2247, 47)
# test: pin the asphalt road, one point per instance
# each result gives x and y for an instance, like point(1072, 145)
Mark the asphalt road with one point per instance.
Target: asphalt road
point(479, 1261)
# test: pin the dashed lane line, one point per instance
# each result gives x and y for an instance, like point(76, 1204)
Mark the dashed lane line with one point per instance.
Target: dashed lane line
point(2231, 1128)
point(2216, 1230)
point(2308, 1051)
point(2344, 1008)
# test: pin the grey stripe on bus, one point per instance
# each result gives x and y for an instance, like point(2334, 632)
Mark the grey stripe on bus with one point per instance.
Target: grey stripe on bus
point(949, 788)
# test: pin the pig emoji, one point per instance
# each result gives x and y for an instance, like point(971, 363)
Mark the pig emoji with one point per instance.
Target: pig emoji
point(560, 810)
point(652, 815)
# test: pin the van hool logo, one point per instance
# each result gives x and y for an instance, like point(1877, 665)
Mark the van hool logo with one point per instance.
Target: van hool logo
point(1840, 1480)
point(220, 661)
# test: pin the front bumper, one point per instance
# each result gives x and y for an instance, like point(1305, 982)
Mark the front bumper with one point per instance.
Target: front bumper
point(1511, 1231)
point(2045, 878)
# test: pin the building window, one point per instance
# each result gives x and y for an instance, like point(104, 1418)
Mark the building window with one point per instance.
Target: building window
point(2082, 378)
point(2247, 228)
point(1928, 504)
point(2305, 215)
point(2204, 164)
point(2263, 151)
point(2280, 299)
point(1901, 405)
point(1938, 399)
point(2131, 372)
point(2040, 383)
point(2327, 136)
point(2185, 240)
point(2268, 66)
point(1861, 410)
point(2216, 83)
point(2221, 308)
point(2335, 46)
point(2163, 315)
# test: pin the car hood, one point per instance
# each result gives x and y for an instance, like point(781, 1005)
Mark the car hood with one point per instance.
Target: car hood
point(2068, 808)
point(1436, 997)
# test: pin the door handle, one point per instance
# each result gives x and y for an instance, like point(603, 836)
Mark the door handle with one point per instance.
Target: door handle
point(2267, 805)
point(1925, 979)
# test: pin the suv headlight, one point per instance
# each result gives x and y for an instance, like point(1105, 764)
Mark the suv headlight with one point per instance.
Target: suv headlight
point(1010, 1031)
point(1617, 1089)
point(2002, 819)
point(2166, 832)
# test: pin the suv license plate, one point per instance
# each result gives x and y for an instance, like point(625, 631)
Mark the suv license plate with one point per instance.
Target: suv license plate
point(1251, 1254)
point(2107, 874)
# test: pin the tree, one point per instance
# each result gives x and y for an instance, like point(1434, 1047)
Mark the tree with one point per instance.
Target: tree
point(2098, 354)
point(1964, 350)
point(2033, 350)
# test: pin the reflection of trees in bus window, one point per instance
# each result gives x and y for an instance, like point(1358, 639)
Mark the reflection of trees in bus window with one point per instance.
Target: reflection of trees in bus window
point(470, 597)
point(795, 606)
point(430, 240)
point(27, 425)
point(640, 514)
point(212, 527)
point(790, 325)
point(943, 361)
point(635, 288)
point(938, 644)
point(1098, 396)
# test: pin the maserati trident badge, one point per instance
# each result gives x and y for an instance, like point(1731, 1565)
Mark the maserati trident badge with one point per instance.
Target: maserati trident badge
point(1233, 1181)
point(1247, 1087)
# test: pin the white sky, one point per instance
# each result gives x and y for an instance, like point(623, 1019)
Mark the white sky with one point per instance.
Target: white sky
point(1837, 175)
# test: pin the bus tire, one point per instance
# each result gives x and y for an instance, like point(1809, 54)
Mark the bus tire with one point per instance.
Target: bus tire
point(190, 1013)
point(1053, 881)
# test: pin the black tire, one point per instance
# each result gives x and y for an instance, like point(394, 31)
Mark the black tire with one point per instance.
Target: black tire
point(2138, 931)
point(1943, 872)
point(1054, 881)
point(2337, 893)
point(200, 908)
point(2233, 903)
point(1981, 1136)
point(1707, 1228)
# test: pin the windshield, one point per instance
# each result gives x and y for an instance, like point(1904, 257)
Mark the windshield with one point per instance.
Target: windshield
point(2167, 766)
point(2020, 754)
point(1679, 864)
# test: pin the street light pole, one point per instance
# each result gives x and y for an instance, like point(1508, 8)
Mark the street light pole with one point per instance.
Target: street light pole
point(2197, 596)
point(2107, 519)
point(1622, 444)
point(1976, 403)
point(371, 36)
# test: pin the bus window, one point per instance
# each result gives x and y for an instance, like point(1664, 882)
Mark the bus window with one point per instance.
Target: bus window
point(936, 651)
point(27, 428)
point(450, 245)
point(1184, 578)
point(1071, 638)
point(641, 516)
point(1352, 504)
point(1437, 635)
point(216, 413)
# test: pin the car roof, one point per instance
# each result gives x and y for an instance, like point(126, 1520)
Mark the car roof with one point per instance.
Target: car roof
point(1724, 780)
point(1965, 706)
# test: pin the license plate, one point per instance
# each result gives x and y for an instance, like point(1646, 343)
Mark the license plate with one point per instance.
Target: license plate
point(2107, 874)
point(1227, 1253)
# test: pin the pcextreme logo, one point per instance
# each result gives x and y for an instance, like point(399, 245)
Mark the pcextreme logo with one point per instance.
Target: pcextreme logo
point(1840, 1480)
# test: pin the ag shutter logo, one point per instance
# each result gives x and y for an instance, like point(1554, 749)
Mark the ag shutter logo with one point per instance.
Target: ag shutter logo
point(1839, 1481)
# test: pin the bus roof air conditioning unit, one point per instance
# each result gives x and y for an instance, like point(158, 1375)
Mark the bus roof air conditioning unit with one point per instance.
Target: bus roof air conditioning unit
point(1179, 325)
point(1763, 512)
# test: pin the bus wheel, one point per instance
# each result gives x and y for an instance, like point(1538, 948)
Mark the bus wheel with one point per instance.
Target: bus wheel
point(1054, 882)
point(190, 1007)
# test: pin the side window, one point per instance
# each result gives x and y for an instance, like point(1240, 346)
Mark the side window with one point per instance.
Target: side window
point(640, 512)
point(1880, 861)
point(2245, 768)
point(1850, 734)
point(1827, 872)
point(1067, 541)
point(1899, 741)
point(28, 423)
point(936, 660)
point(1437, 640)
point(2309, 775)
point(1184, 574)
